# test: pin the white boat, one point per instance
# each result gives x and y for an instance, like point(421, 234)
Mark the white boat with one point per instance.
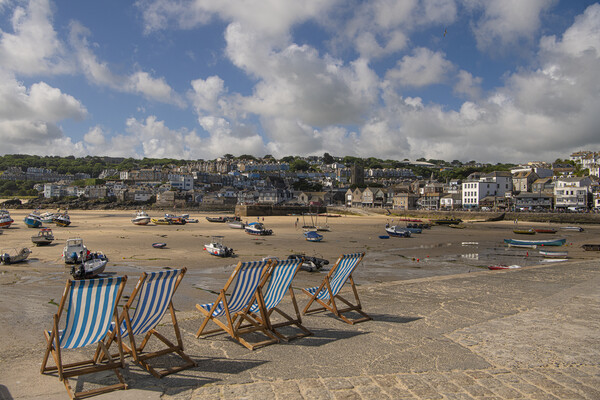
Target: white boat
point(397, 231)
point(256, 228)
point(11, 256)
point(236, 225)
point(216, 247)
point(5, 219)
point(89, 268)
point(74, 251)
point(572, 228)
point(47, 217)
point(141, 218)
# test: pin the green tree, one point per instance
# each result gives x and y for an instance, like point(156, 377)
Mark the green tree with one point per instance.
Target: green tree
point(328, 159)
point(299, 165)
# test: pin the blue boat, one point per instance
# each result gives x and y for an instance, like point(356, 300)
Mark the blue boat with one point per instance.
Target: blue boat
point(33, 221)
point(313, 236)
point(256, 228)
point(548, 242)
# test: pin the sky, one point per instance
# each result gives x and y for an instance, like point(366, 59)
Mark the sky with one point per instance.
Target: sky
point(500, 81)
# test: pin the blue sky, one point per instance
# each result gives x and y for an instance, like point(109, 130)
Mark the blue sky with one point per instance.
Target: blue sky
point(485, 80)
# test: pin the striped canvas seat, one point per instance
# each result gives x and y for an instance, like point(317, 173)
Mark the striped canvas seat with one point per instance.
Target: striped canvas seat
point(154, 295)
point(247, 276)
point(91, 312)
point(328, 291)
point(278, 282)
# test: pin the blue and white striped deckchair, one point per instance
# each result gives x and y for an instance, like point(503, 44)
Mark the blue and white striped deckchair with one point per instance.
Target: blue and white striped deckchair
point(91, 312)
point(247, 276)
point(154, 294)
point(278, 282)
point(326, 293)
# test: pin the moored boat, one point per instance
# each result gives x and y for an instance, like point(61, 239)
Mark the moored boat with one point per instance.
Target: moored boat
point(33, 220)
point(159, 245)
point(5, 219)
point(572, 228)
point(256, 228)
point(236, 224)
point(499, 267)
point(591, 247)
point(447, 221)
point(160, 221)
point(524, 231)
point(141, 218)
point(12, 256)
point(62, 219)
point(545, 230)
point(217, 248)
point(313, 236)
point(553, 253)
point(547, 242)
point(75, 251)
point(43, 238)
point(89, 268)
point(397, 231)
point(217, 219)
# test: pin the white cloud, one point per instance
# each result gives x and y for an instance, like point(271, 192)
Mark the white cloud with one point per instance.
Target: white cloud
point(468, 85)
point(424, 68)
point(507, 22)
point(33, 47)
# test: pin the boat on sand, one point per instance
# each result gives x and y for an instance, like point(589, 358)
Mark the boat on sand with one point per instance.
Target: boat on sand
point(12, 256)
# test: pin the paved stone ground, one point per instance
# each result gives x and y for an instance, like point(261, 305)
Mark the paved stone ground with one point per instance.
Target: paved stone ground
point(532, 333)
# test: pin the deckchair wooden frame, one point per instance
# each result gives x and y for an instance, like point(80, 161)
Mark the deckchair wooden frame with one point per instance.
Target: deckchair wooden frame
point(69, 370)
point(231, 325)
point(264, 315)
point(136, 351)
point(331, 305)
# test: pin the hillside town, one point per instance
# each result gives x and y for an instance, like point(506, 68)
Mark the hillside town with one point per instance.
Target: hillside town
point(571, 186)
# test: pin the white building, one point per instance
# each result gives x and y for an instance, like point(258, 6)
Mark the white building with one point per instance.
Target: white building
point(497, 184)
point(571, 192)
point(181, 181)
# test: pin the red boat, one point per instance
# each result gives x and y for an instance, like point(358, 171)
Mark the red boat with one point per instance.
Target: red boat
point(545, 230)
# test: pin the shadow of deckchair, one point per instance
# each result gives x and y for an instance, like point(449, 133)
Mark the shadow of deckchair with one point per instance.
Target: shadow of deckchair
point(322, 337)
point(5, 393)
point(393, 318)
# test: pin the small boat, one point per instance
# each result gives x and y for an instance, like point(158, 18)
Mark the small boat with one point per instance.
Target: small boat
point(572, 228)
point(547, 242)
point(496, 218)
point(524, 231)
point(591, 247)
point(310, 264)
point(397, 231)
point(177, 221)
point(161, 221)
point(43, 238)
point(525, 246)
point(141, 218)
point(236, 224)
point(47, 217)
point(217, 219)
point(5, 219)
point(159, 245)
point(14, 256)
point(498, 267)
point(33, 220)
point(256, 228)
point(189, 220)
point(75, 251)
point(90, 268)
point(553, 253)
point(447, 221)
point(313, 236)
point(545, 230)
point(217, 248)
point(62, 219)
point(457, 226)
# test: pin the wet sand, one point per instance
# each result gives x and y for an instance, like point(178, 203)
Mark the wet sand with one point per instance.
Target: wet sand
point(437, 251)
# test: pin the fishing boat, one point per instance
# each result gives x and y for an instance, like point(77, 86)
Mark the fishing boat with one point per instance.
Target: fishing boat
point(553, 253)
point(217, 219)
point(499, 267)
point(189, 220)
point(524, 231)
point(310, 264)
point(160, 221)
point(313, 236)
point(75, 251)
point(591, 247)
point(572, 228)
point(141, 218)
point(47, 217)
point(256, 228)
point(397, 231)
point(43, 238)
point(236, 224)
point(413, 229)
point(545, 230)
point(177, 221)
point(33, 220)
point(5, 219)
point(62, 219)
point(159, 245)
point(547, 242)
point(90, 268)
point(217, 248)
point(12, 256)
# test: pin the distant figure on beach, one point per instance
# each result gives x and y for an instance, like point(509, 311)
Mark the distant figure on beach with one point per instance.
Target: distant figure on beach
point(296, 223)
point(516, 221)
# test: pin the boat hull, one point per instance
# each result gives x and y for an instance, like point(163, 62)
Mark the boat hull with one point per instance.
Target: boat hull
point(555, 242)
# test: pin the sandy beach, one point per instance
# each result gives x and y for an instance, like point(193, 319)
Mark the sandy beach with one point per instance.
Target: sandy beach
point(29, 290)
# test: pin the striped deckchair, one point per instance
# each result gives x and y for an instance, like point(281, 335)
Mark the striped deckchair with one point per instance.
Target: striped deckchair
point(247, 276)
point(326, 293)
point(278, 281)
point(91, 311)
point(154, 293)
